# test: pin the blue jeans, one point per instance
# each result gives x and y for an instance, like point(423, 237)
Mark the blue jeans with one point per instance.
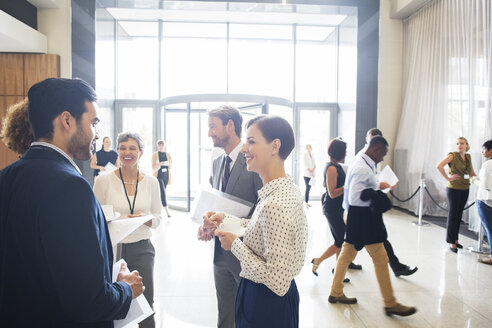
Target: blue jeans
point(485, 213)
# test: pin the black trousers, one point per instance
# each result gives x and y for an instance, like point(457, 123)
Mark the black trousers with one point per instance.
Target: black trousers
point(456, 204)
point(163, 180)
point(394, 262)
point(308, 189)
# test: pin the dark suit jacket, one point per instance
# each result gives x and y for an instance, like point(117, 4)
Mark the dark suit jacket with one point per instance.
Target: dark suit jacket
point(55, 251)
point(365, 225)
point(242, 184)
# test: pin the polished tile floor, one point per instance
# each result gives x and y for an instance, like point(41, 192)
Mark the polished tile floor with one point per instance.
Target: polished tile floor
point(449, 290)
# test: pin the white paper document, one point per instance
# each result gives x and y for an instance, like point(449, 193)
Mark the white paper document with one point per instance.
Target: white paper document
point(120, 228)
point(387, 175)
point(139, 307)
point(108, 168)
point(217, 201)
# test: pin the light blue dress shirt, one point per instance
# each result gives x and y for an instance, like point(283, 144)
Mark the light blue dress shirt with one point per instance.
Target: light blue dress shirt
point(361, 175)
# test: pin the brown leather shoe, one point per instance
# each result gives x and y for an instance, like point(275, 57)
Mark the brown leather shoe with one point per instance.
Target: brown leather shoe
point(486, 260)
point(342, 299)
point(400, 310)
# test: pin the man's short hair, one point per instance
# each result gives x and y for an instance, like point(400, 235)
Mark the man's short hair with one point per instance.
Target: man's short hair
point(377, 142)
point(374, 132)
point(487, 144)
point(160, 142)
point(276, 127)
point(226, 113)
point(53, 96)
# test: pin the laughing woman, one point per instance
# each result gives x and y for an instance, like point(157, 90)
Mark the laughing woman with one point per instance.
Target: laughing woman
point(274, 245)
point(133, 193)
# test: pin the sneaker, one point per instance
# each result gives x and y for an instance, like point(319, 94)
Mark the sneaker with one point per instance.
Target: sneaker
point(400, 310)
point(486, 260)
point(342, 299)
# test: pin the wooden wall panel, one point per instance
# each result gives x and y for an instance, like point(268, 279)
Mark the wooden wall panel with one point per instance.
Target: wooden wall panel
point(11, 74)
point(6, 155)
point(38, 68)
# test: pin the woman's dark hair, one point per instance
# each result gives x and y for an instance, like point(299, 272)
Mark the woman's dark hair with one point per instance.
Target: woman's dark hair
point(53, 96)
point(488, 144)
point(275, 127)
point(337, 149)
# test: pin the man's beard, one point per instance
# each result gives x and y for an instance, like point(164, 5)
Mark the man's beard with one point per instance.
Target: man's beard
point(221, 142)
point(80, 145)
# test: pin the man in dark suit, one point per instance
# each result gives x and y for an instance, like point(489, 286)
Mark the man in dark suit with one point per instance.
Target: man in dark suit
point(55, 251)
point(230, 176)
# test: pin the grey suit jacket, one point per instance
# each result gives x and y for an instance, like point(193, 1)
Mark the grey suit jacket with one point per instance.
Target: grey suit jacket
point(242, 184)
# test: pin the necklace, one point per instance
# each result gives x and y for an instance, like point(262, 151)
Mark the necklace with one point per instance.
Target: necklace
point(131, 206)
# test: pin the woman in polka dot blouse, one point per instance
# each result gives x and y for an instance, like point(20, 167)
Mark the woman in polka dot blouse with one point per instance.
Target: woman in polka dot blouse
point(273, 248)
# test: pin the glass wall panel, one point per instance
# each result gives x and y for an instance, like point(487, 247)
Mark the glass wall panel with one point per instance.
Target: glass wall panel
point(315, 129)
point(137, 58)
point(105, 126)
point(194, 58)
point(177, 146)
point(316, 64)
point(261, 66)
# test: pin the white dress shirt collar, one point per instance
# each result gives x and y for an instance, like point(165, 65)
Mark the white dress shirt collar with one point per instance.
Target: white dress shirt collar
point(235, 152)
point(369, 161)
point(55, 148)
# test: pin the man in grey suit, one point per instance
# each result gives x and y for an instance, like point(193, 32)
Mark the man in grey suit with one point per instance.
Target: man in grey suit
point(230, 176)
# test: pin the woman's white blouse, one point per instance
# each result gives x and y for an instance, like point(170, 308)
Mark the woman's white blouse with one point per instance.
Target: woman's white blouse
point(485, 183)
point(109, 191)
point(309, 163)
point(273, 249)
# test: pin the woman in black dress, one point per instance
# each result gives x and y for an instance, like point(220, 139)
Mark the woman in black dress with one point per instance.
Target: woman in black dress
point(332, 199)
point(104, 156)
point(161, 163)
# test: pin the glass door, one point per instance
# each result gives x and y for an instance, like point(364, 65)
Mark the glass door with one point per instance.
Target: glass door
point(317, 126)
point(139, 117)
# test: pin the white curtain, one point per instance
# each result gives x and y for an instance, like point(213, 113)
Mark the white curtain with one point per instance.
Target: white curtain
point(446, 94)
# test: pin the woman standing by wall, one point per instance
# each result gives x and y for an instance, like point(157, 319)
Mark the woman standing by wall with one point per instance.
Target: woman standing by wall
point(460, 172)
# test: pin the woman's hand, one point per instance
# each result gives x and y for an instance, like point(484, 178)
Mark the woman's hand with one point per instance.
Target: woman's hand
point(454, 177)
point(211, 220)
point(226, 239)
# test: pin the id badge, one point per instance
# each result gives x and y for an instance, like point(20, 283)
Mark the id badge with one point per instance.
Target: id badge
point(466, 176)
point(164, 170)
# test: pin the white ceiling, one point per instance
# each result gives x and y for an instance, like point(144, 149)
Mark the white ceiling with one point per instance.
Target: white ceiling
point(226, 16)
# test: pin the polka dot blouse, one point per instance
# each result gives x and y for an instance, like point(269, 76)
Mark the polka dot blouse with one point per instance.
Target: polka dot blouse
point(273, 249)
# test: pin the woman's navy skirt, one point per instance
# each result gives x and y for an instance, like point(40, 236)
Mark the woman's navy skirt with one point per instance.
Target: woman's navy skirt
point(257, 306)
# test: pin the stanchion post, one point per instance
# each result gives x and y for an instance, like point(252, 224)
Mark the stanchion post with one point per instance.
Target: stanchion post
point(421, 205)
point(479, 248)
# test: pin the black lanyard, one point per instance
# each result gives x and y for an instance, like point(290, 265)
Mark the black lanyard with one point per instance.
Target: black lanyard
point(132, 208)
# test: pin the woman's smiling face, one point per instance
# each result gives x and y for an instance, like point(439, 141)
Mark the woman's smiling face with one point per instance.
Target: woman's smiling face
point(257, 149)
point(129, 152)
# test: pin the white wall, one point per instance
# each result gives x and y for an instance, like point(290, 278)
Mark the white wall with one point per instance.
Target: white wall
point(390, 75)
point(56, 24)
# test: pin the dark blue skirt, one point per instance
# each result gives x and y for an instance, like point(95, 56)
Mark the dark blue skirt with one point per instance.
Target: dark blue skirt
point(257, 306)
